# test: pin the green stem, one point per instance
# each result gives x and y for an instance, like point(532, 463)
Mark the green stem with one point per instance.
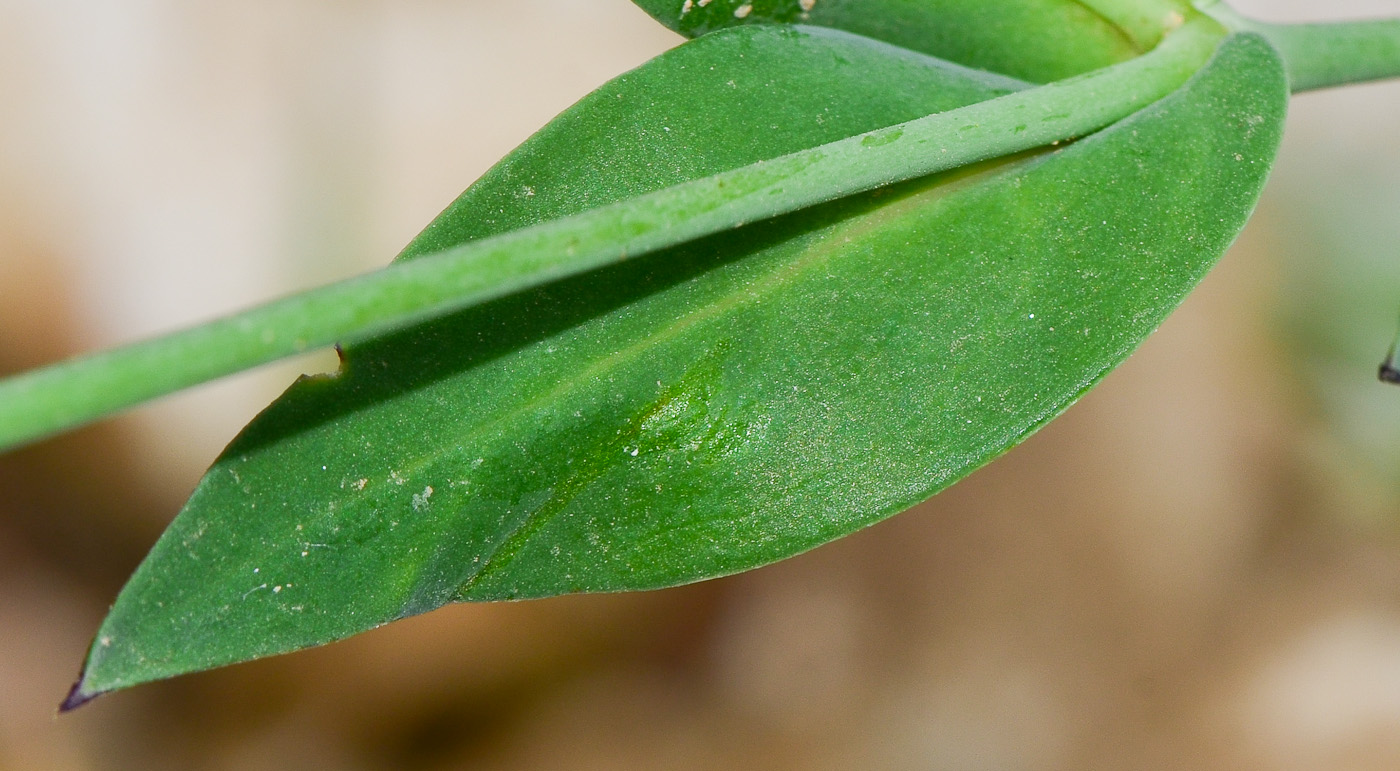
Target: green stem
point(1324, 55)
point(62, 396)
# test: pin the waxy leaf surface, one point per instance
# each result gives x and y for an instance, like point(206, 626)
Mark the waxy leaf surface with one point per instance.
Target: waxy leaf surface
point(712, 408)
point(1035, 40)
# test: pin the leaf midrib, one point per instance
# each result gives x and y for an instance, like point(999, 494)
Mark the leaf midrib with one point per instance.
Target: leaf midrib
point(499, 558)
point(1122, 31)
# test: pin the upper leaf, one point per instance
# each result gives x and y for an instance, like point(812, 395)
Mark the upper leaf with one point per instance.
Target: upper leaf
point(711, 408)
point(1036, 40)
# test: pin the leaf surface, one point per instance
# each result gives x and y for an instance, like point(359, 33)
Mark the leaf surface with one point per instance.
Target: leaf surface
point(711, 408)
point(1035, 40)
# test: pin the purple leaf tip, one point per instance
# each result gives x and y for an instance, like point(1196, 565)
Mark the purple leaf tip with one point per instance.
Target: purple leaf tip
point(77, 697)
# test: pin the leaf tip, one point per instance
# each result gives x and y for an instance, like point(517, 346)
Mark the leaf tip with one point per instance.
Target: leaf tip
point(1389, 373)
point(77, 696)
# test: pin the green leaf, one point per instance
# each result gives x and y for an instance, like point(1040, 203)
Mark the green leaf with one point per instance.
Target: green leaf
point(712, 408)
point(1036, 40)
point(70, 393)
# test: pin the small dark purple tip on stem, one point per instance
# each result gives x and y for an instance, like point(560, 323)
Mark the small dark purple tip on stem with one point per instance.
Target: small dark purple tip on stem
point(77, 698)
point(1388, 372)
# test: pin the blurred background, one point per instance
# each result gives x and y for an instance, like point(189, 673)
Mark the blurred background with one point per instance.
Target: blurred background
point(1196, 567)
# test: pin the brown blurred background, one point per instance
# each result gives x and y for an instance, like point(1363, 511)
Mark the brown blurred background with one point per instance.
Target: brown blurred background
point(1197, 567)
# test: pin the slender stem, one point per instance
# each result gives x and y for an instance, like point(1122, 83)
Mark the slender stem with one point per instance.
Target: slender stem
point(65, 395)
point(1324, 55)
